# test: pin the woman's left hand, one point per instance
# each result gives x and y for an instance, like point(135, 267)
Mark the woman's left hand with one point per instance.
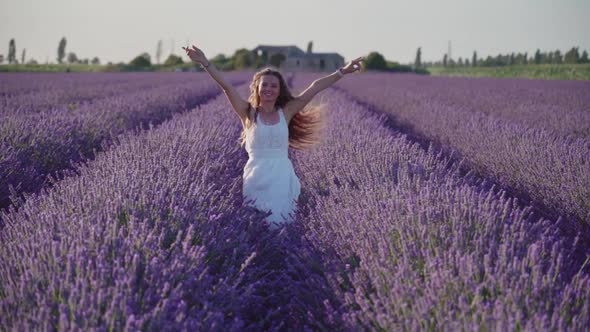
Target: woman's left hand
point(353, 66)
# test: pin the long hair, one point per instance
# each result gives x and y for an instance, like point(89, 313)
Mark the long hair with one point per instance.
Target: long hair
point(305, 126)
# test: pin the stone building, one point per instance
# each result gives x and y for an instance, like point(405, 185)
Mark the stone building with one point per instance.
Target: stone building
point(292, 58)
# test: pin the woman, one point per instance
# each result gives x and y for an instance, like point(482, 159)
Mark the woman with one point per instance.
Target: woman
point(272, 121)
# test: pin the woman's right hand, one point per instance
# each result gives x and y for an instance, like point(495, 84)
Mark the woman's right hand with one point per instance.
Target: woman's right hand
point(196, 55)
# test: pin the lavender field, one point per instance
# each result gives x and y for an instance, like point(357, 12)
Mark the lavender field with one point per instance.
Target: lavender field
point(56, 123)
point(431, 204)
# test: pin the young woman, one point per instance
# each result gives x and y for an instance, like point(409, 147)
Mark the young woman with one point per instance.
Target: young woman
point(272, 122)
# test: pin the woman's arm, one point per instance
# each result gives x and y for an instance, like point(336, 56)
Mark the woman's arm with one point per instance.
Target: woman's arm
point(239, 105)
point(320, 84)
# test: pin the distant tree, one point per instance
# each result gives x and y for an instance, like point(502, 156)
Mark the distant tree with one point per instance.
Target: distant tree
point(1, 58)
point(173, 60)
point(572, 56)
point(22, 56)
point(141, 61)
point(222, 62)
point(418, 60)
point(242, 58)
point(466, 62)
point(375, 61)
point(526, 61)
point(33, 62)
point(474, 59)
point(72, 58)
point(260, 59)
point(309, 46)
point(61, 50)
point(583, 58)
point(445, 60)
point(460, 62)
point(158, 51)
point(511, 59)
point(398, 68)
point(11, 51)
point(95, 61)
point(276, 59)
point(548, 58)
point(557, 57)
point(538, 57)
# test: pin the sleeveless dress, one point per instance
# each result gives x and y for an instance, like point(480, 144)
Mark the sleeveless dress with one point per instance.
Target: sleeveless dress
point(269, 179)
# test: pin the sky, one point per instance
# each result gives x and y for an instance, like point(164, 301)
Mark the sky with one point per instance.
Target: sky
point(118, 30)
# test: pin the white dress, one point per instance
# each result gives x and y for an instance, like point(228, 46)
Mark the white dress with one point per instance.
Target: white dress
point(269, 179)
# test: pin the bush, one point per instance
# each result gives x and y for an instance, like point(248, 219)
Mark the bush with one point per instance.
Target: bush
point(398, 68)
point(375, 61)
point(173, 60)
point(141, 61)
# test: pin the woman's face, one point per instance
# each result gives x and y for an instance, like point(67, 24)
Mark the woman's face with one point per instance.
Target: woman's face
point(268, 88)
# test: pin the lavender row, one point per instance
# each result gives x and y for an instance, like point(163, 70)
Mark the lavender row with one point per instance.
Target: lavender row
point(35, 145)
point(423, 247)
point(152, 235)
point(72, 91)
point(539, 164)
point(560, 107)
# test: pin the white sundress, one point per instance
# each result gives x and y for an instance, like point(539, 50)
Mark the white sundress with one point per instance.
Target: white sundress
point(269, 179)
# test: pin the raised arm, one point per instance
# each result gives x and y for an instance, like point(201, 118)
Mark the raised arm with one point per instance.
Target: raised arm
point(239, 105)
point(299, 102)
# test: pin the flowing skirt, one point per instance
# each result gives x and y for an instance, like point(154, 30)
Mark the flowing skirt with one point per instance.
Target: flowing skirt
point(272, 185)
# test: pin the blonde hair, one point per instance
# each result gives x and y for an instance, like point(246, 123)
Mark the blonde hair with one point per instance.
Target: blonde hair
point(305, 126)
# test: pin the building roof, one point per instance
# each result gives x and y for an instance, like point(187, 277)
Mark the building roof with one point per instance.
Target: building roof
point(291, 50)
point(294, 51)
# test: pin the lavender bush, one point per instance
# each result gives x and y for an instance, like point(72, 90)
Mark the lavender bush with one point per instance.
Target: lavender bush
point(71, 91)
point(518, 142)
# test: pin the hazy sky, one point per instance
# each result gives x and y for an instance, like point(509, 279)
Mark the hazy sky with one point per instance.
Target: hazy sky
point(120, 30)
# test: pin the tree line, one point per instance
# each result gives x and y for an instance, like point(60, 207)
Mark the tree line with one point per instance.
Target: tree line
point(244, 59)
point(572, 56)
point(70, 57)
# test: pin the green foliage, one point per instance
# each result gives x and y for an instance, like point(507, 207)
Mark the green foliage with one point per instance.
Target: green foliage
point(11, 51)
point(243, 59)
point(277, 59)
point(375, 61)
point(398, 68)
point(572, 56)
point(141, 61)
point(173, 60)
point(542, 71)
point(537, 58)
point(418, 60)
point(222, 62)
point(72, 58)
point(61, 50)
point(260, 60)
